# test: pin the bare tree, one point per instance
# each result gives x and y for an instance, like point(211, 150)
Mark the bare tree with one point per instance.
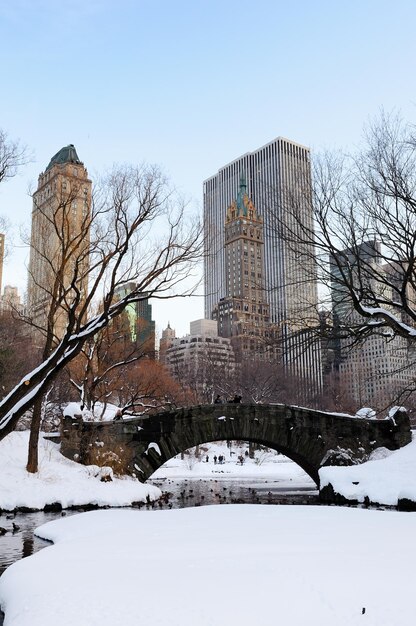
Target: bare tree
point(361, 247)
point(264, 382)
point(12, 156)
point(363, 238)
point(148, 388)
point(112, 367)
point(103, 363)
point(137, 231)
point(17, 351)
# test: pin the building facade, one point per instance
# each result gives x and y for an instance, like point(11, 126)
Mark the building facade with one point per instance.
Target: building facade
point(379, 370)
point(201, 360)
point(137, 321)
point(10, 300)
point(59, 239)
point(243, 315)
point(168, 335)
point(278, 182)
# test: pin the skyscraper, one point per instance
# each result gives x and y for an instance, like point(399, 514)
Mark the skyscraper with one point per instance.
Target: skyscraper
point(141, 326)
point(278, 179)
point(243, 314)
point(168, 335)
point(59, 261)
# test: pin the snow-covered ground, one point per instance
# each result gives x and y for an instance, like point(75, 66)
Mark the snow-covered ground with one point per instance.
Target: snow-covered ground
point(386, 478)
point(235, 564)
point(266, 464)
point(60, 480)
point(243, 565)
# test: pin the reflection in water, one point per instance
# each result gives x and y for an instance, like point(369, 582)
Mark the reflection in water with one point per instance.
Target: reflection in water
point(19, 540)
point(201, 492)
point(28, 546)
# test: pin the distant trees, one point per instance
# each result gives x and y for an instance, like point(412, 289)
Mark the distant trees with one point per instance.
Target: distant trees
point(138, 232)
point(261, 382)
point(113, 368)
point(256, 381)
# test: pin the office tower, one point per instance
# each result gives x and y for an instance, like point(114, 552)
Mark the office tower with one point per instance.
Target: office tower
point(243, 314)
point(168, 335)
point(136, 321)
point(1, 259)
point(10, 300)
point(59, 239)
point(278, 178)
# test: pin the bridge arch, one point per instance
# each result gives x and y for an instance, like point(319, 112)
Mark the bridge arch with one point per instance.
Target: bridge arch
point(156, 459)
point(310, 438)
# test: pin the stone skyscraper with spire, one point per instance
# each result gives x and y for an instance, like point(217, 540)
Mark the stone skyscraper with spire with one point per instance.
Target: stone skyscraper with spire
point(59, 245)
point(278, 179)
point(243, 314)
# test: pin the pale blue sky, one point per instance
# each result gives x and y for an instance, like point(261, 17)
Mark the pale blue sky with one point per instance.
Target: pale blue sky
point(192, 85)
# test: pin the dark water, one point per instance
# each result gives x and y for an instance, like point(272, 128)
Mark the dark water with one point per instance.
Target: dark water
point(20, 541)
point(202, 492)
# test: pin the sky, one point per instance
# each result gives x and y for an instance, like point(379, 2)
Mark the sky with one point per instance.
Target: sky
point(191, 85)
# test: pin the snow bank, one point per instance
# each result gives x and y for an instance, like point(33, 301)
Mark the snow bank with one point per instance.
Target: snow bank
point(60, 480)
point(385, 480)
point(212, 566)
point(102, 412)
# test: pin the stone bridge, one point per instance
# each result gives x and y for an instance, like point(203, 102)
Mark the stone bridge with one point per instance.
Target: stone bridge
point(310, 438)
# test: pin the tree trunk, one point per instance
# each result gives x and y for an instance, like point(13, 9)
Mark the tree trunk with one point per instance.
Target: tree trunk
point(32, 459)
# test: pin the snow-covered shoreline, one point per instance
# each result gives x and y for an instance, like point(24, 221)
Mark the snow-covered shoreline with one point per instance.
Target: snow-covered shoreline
point(59, 481)
point(388, 479)
point(217, 565)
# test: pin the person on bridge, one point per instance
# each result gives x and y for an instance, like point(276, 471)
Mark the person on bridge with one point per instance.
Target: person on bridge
point(237, 399)
point(218, 399)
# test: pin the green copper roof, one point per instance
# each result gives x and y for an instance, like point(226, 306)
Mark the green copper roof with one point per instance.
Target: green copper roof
point(68, 154)
point(241, 193)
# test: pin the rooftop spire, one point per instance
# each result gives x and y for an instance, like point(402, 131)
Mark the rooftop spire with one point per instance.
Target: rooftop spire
point(243, 184)
point(242, 193)
point(68, 154)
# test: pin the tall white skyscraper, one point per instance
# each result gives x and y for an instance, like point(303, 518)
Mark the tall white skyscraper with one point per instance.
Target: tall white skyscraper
point(278, 178)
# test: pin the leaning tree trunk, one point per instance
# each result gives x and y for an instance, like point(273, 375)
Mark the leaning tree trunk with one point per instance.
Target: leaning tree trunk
point(32, 459)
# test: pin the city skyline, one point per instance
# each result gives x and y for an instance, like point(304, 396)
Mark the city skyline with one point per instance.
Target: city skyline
point(317, 72)
point(278, 185)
